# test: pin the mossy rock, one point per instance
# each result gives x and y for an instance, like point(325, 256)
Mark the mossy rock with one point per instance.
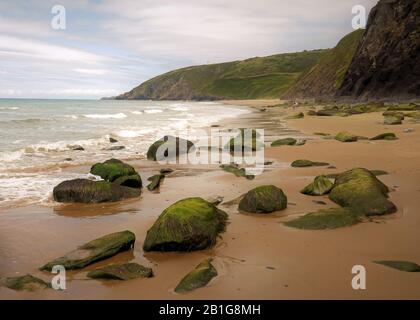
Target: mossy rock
point(299, 115)
point(197, 278)
point(189, 224)
point(133, 181)
point(112, 169)
point(404, 107)
point(263, 199)
point(385, 136)
point(239, 172)
point(171, 147)
point(320, 186)
point(302, 163)
point(95, 250)
point(345, 136)
point(155, 181)
point(327, 219)
point(393, 114)
point(284, 142)
point(245, 142)
point(393, 120)
point(311, 113)
point(25, 283)
point(406, 266)
point(360, 189)
point(124, 271)
point(88, 191)
point(322, 134)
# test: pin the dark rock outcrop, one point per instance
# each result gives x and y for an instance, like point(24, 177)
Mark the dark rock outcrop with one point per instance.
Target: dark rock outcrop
point(386, 63)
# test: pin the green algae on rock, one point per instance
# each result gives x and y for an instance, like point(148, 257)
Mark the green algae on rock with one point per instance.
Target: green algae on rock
point(189, 224)
point(112, 169)
point(88, 191)
point(327, 219)
point(24, 283)
point(345, 136)
point(171, 147)
point(124, 271)
point(246, 140)
point(360, 189)
point(239, 172)
point(302, 163)
point(320, 186)
point(385, 136)
point(406, 266)
point(263, 199)
point(95, 250)
point(155, 181)
point(197, 278)
point(393, 120)
point(284, 142)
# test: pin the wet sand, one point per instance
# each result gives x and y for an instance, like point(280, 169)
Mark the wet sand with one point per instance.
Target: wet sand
point(257, 257)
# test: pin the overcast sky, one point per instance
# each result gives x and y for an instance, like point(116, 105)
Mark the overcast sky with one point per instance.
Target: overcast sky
point(108, 47)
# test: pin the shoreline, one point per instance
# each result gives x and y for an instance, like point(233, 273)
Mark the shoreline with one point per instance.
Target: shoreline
point(257, 257)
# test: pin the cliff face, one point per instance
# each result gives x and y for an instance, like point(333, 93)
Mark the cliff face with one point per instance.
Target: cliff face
point(326, 77)
point(386, 63)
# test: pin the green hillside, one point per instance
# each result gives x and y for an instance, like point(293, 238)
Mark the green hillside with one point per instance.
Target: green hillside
point(261, 77)
point(326, 77)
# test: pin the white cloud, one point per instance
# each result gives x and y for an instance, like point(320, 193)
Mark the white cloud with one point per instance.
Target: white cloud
point(92, 71)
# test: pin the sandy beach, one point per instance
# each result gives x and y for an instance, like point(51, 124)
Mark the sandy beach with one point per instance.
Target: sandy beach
point(257, 257)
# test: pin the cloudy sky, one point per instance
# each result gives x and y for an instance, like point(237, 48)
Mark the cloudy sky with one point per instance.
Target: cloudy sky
point(108, 47)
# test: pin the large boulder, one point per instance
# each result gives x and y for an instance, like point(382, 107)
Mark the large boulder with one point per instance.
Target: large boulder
point(112, 169)
point(263, 199)
point(393, 120)
point(95, 250)
point(197, 278)
point(124, 271)
point(321, 185)
point(24, 283)
point(171, 147)
point(88, 191)
point(189, 224)
point(361, 190)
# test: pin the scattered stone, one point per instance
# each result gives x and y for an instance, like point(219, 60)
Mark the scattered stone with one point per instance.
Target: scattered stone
point(393, 114)
point(268, 163)
point(321, 185)
point(284, 142)
point(362, 191)
point(112, 169)
point(166, 170)
point(95, 250)
point(189, 224)
point(327, 219)
point(173, 146)
point(393, 120)
point(197, 278)
point(112, 140)
point(24, 283)
point(408, 130)
point(239, 172)
point(124, 271)
point(215, 200)
point(155, 181)
point(301, 142)
point(345, 136)
point(301, 163)
point(385, 136)
point(215, 126)
point(263, 199)
point(270, 268)
point(319, 202)
point(76, 148)
point(88, 191)
point(331, 167)
point(68, 159)
point(404, 107)
point(321, 134)
point(115, 148)
point(311, 113)
point(299, 115)
point(401, 265)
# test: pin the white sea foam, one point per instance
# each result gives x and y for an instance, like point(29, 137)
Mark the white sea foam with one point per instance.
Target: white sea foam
point(179, 107)
point(107, 116)
point(136, 112)
point(132, 133)
point(9, 108)
point(153, 110)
